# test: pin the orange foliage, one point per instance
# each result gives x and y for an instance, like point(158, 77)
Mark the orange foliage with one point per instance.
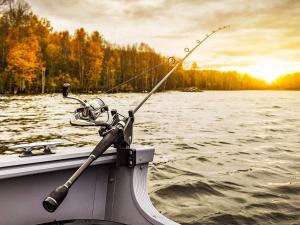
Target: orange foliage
point(24, 59)
point(27, 43)
point(94, 59)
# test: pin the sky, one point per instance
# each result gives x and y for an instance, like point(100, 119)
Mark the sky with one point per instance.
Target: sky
point(263, 39)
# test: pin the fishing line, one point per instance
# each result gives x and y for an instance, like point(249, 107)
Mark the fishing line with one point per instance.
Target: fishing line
point(171, 61)
point(134, 77)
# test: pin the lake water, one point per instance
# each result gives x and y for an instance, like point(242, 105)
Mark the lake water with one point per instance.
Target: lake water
point(221, 157)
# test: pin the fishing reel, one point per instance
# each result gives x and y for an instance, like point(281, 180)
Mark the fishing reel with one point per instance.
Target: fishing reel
point(89, 113)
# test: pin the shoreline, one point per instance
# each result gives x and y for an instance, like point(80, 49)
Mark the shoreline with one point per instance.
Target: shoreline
point(133, 92)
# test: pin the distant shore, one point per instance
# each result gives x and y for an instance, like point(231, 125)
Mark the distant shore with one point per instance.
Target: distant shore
point(190, 90)
point(34, 57)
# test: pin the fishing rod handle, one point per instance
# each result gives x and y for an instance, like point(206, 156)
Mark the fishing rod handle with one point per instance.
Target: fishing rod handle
point(57, 196)
point(100, 148)
point(110, 138)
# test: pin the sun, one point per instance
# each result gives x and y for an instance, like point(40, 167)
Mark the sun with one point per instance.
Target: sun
point(267, 70)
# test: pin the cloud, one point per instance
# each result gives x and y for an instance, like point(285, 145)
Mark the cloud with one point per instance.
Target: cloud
point(259, 29)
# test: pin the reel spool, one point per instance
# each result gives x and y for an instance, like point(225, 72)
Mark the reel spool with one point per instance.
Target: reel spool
point(89, 112)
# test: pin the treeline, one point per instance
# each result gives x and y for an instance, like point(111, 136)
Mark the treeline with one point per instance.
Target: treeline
point(30, 48)
point(287, 82)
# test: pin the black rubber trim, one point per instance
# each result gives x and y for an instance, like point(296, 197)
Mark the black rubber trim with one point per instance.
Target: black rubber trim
point(82, 222)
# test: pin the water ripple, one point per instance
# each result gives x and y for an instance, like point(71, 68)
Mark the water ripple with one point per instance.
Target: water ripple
point(221, 157)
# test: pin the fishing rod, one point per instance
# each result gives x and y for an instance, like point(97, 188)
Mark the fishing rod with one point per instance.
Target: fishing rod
point(170, 60)
point(88, 114)
point(117, 133)
point(189, 52)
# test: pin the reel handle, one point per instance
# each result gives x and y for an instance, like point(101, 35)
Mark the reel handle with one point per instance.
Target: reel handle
point(65, 93)
point(65, 90)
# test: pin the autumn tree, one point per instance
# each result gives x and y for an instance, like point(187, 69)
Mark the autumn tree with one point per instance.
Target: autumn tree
point(24, 61)
point(288, 82)
point(94, 60)
point(91, 63)
point(111, 68)
point(21, 51)
point(78, 53)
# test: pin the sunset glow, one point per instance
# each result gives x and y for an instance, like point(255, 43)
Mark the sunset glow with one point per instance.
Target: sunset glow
point(263, 39)
point(267, 70)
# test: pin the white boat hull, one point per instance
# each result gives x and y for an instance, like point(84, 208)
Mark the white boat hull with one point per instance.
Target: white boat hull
point(104, 192)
